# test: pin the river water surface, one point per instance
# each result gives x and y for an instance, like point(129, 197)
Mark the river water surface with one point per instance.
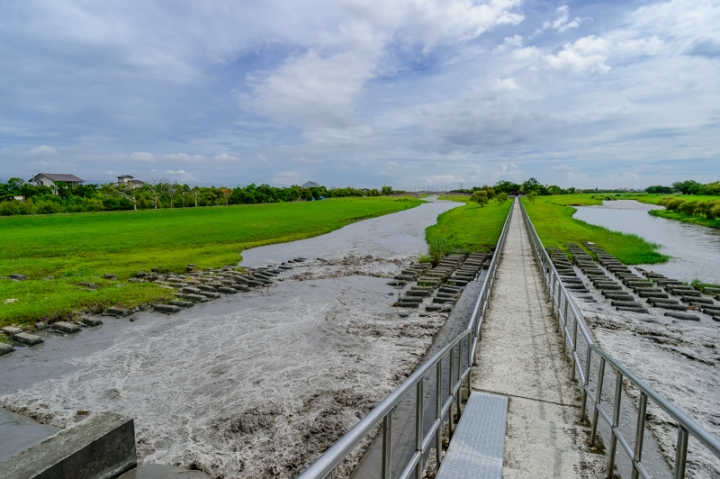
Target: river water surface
point(695, 250)
point(255, 384)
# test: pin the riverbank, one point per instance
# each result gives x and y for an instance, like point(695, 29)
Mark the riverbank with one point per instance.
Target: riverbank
point(64, 258)
point(253, 384)
point(677, 215)
point(471, 228)
point(553, 219)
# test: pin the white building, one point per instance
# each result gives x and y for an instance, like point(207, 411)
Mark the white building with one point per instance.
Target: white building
point(129, 180)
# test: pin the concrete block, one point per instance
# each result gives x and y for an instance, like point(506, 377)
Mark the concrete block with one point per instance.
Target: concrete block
point(29, 339)
point(197, 297)
point(100, 447)
point(65, 327)
point(11, 331)
point(117, 312)
point(698, 301)
point(633, 310)
point(684, 317)
point(711, 291)
point(181, 304)
point(166, 308)
point(91, 321)
point(210, 295)
point(653, 294)
point(5, 348)
point(626, 304)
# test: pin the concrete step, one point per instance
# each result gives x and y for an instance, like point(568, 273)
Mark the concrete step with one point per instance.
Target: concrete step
point(477, 447)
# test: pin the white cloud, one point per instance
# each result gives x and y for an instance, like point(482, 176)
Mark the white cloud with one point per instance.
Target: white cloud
point(586, 54)
point(180, 175)
point(262, 158)
point(504, 85)
point(224, 158)
point(143, 157)
point(562, 21)
point(185, 158)
point(306, 161)
point(43, 150)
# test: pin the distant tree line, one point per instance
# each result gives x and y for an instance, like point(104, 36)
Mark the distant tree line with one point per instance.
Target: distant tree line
point(531, 185)
point(689, 187)
point(20, 198)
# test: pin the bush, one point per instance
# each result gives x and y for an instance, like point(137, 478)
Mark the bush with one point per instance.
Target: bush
point(688, 207)
point(48, 207)
point(674, 203)
point(9, 208)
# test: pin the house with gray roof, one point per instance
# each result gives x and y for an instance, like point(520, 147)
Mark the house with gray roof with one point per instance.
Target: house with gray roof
point(49, 179)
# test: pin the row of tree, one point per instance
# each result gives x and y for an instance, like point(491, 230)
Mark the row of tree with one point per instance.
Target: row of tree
point(689, 187)
point(525, 188)
point(20, 198)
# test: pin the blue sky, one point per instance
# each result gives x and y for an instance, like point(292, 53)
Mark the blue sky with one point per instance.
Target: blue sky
point(409, 93)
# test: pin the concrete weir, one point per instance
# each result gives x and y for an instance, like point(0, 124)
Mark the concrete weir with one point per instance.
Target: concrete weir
point(521, 357)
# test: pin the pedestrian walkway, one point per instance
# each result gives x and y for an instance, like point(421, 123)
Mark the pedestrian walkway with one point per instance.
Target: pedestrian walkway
point(521, 356)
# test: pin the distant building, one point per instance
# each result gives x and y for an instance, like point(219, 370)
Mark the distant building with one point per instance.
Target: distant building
point(49, 179)
point(129, 180)
point(310, 184)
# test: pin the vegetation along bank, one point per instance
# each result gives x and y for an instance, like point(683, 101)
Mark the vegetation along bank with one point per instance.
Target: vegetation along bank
point(64, 257)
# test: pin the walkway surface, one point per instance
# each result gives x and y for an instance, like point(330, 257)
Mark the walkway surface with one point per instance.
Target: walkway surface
point(521, 356)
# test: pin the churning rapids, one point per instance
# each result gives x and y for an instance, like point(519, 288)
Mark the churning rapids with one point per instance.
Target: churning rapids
point(251, 385)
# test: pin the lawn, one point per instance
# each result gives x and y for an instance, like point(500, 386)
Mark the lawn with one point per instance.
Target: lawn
point(471, 227)
point(553, 221)
point(59, 251)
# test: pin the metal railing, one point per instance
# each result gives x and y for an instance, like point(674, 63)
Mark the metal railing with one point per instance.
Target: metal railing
point(571, 321)
point(460, 353)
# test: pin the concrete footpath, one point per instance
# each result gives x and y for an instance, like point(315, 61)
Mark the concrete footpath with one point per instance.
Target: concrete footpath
point(520, 356)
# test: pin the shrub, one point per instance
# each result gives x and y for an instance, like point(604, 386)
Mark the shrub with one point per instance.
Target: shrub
point(674, 203)
point(688, 207)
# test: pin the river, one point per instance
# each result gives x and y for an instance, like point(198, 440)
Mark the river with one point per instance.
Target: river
point(695, 250)
point(255, 384)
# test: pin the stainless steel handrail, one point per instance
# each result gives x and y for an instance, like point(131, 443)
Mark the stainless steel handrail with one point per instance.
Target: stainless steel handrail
point(446, 407)
point(562, 301)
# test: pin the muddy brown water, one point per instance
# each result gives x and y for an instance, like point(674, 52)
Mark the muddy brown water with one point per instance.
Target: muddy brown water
point(251, 384)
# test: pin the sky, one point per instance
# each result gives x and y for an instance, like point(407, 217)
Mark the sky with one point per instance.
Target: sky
point(415, 94)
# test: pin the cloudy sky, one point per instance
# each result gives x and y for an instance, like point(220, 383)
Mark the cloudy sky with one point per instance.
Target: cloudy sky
point(409, 93)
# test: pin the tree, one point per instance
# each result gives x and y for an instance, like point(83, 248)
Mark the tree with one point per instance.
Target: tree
point(480, 197)
point(195, 192)
point(127, 191)
point(532, 196)
point(227, 193)
point(387, 190)
point(501, 197)
point(531, 185)
point(157, 189)
point(172, 188)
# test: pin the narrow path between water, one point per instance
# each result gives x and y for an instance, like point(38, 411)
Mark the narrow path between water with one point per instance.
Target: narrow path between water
point(521, 356)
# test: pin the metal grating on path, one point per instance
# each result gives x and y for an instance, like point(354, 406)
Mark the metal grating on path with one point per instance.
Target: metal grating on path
point(476, 449)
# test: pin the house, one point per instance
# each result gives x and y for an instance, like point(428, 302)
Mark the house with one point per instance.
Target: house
point(49, 179)
point(129, 180)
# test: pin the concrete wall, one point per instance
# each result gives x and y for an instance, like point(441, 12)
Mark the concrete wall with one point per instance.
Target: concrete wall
point(100, 447)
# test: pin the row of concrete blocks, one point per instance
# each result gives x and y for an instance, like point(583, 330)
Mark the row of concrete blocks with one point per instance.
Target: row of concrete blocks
point(449, 277)
point(206, 287)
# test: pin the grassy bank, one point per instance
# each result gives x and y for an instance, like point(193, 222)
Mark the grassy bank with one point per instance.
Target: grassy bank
point(471, 227)
point(677, 215)
point(75, 248)
point(553, 221)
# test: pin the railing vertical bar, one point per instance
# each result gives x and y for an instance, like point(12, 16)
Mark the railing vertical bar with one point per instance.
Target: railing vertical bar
point(387, 445)
point(639, 434)
point(681, 452)
point(614, 431)
point(419, 409)
point(459, 378)
point(451, 381)
point(586, 385)
point(598, 400)
point(438, 412)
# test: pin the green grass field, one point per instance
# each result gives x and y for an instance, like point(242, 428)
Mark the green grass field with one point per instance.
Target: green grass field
point(555, 225)
point(471, 227)
point(74, 248)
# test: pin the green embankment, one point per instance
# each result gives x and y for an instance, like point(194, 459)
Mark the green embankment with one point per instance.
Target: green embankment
point(471, 227)
point(677, 215)
point(74, 248)
point(553, 221)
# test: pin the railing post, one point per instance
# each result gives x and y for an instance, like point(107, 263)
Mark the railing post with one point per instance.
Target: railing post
point(419, 427)
point(598, 400)
point(583, 406)
point(681, 452)
point(438, 412)
point(387, 445)
point(615, 424)
point(458, 399)
point(451, 381)
point(639, 435)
